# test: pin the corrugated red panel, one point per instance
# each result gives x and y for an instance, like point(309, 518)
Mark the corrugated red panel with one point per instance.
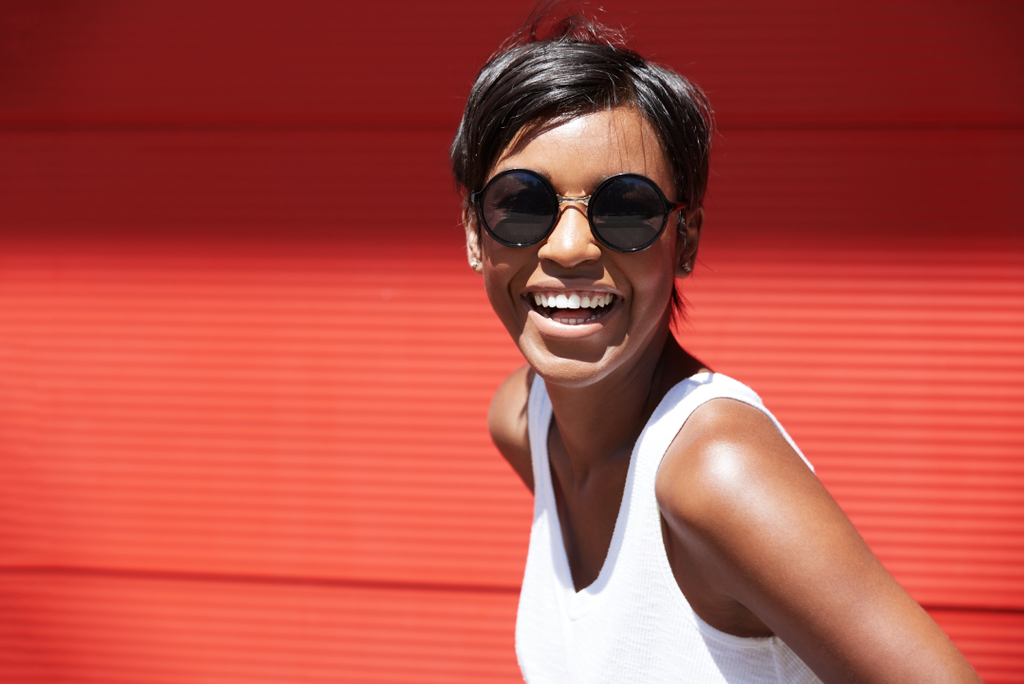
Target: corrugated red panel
point(991, 641)
point(790, 63)
point(128, 628)
point(203, 417)
point(244, 369)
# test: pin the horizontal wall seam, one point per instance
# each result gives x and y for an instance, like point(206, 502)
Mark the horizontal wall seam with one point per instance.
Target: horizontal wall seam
point(237, 578)
point(450, 126)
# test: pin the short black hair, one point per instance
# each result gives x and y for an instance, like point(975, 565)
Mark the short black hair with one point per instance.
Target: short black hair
point(579, 68)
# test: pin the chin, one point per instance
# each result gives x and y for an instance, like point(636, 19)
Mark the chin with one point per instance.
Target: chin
point(571, 372)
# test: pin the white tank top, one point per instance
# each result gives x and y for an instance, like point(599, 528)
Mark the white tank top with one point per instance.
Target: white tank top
point(633, 624)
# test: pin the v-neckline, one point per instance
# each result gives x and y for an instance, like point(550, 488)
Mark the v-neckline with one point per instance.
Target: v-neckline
point(561, 509)
point(580, 601)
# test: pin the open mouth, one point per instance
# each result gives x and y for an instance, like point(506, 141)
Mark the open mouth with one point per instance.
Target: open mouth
point(571, 308)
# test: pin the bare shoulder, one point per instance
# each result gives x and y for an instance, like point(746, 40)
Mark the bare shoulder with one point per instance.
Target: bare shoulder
point(507, 422)
point(747, 512)
point(727, 451)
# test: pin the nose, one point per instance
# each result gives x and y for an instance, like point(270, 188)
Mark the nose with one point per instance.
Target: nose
point(571, 242)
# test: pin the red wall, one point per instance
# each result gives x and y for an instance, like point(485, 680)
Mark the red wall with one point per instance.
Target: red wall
point(244, 368)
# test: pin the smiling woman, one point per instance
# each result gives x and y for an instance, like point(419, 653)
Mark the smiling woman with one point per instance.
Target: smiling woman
point(679, 535)
point(578, 157)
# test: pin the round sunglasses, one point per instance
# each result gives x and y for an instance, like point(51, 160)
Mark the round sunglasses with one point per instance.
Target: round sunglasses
point(627, 212)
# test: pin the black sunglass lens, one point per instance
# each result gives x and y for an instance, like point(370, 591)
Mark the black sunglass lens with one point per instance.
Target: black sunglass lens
point(519, 209)
point(628, 213)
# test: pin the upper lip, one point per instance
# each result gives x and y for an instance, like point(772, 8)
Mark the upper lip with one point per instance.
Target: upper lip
point(560, 286)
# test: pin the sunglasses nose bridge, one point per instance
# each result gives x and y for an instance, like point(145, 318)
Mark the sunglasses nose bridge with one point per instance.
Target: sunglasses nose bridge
point(562, 201)
point(571, 240)
point(585, 201)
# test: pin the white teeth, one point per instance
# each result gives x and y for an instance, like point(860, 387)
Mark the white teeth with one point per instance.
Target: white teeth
point(577, 321)
point(572, 301)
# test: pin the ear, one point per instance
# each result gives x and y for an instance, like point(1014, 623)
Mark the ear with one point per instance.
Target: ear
point(473, 251)
point(687, 242)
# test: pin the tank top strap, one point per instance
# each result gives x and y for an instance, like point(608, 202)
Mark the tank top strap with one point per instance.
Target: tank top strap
point(666, 422)
point(677, 406)
point(538, 421)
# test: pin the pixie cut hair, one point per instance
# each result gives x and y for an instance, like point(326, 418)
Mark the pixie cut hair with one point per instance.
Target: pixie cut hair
point(578, 68)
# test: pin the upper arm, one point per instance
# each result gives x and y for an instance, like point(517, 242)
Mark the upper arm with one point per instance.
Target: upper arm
point(507, 422)
point(752, 515)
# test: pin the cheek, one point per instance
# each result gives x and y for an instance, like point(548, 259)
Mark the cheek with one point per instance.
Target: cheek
point(499, 273)
point(654, 277)
point(655, 298)
point(496, 285)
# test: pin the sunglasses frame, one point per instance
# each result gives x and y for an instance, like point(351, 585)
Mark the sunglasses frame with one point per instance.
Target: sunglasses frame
point(670, 208)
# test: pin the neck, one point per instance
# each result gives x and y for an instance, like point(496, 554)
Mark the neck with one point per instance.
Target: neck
point(600, 423)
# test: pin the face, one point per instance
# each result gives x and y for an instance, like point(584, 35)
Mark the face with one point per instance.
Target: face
point(578, 311)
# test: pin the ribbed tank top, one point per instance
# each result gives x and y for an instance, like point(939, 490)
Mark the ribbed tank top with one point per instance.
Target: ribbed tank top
point(633, 624)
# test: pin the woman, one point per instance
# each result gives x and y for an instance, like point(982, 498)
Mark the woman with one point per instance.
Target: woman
point(679, 535)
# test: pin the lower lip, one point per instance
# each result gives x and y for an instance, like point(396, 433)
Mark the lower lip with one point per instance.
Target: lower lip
point(552, 328)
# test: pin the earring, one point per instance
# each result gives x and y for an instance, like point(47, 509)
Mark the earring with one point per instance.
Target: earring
point(687, 267)
point(475, 265)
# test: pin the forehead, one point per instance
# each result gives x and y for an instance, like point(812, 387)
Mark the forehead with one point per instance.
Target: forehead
point(577, 154)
